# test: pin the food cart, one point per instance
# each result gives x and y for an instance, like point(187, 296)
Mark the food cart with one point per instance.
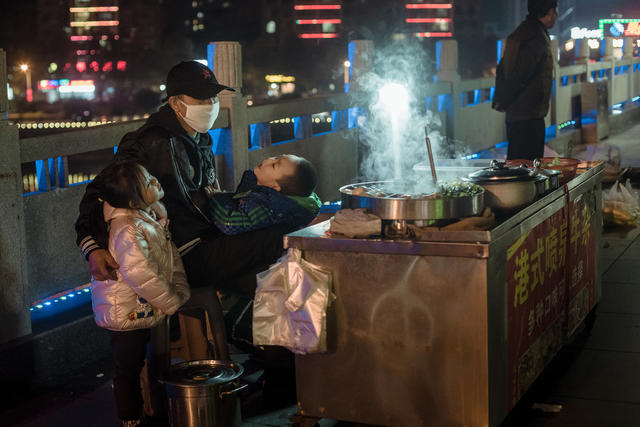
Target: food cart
point(451, 331)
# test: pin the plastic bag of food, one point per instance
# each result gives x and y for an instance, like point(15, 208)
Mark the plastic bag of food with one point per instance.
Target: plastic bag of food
point(620, 205)
point(290, 305)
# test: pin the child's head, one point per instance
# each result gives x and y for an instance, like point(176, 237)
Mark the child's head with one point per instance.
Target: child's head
point(129, 185)
point(288, 174)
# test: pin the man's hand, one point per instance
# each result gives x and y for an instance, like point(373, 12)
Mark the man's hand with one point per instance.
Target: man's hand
point(102, 265)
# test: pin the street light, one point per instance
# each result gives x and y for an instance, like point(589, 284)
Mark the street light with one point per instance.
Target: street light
point(27, 71)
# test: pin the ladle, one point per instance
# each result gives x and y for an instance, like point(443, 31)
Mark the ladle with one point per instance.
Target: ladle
point(431, 162)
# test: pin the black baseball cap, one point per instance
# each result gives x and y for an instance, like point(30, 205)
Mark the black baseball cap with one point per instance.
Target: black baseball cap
point(194, 79)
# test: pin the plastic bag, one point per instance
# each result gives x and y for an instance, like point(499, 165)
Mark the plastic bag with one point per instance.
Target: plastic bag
point(290, 305)
point(620, 205)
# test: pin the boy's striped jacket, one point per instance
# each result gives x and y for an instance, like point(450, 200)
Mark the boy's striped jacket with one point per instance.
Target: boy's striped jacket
point(254, 206)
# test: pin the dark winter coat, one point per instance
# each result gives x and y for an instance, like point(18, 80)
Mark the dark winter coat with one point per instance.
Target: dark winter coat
point(183, 166)
point(527, 72)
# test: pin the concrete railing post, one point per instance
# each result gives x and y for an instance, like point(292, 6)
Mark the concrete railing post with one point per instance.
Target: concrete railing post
point(447, 64)
point(627, 51)
point(447, 51)
point(627, 55)
point(583, 52)
point(225, 59)
point(360, 55)
point(14, 301)
point(552, 115)
point(4, 99)
point(608, 56)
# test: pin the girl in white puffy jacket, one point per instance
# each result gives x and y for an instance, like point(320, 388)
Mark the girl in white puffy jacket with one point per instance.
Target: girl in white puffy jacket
point(151, 280)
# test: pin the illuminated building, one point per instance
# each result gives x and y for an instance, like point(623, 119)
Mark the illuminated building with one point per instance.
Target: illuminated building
point(94, 27)
point(429, 19)
point(318, 19)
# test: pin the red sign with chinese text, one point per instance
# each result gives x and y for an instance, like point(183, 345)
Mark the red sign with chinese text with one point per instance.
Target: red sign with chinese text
point(536, 285)
point(581, 265)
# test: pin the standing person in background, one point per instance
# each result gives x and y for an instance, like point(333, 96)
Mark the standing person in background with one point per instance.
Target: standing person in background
point(524, 79)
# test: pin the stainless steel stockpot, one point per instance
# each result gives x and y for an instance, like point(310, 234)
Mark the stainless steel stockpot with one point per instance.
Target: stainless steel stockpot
point(508, 188)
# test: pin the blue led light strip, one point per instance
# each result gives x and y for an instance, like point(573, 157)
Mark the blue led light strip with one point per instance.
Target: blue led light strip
point(60, 297)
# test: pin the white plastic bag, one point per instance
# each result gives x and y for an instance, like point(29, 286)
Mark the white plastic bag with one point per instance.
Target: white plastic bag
point(620, 205)
point(290, 305)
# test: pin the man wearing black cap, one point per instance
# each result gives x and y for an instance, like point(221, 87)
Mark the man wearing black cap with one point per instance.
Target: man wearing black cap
point(174, 146)
point(524, 80)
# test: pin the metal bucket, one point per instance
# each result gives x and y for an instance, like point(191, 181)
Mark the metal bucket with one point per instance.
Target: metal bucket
point(202, 393)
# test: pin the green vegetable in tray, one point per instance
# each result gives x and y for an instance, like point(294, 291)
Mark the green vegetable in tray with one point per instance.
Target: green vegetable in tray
point(460, 189)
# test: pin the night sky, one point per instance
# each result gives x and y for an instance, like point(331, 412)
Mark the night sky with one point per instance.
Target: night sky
point(588, 11)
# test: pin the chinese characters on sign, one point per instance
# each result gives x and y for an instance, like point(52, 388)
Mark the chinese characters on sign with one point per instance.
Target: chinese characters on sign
point(550, 289)
point(581, 270)
point(536, 294)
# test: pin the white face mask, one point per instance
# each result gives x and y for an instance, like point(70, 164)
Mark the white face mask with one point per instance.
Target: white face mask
point(201, 117)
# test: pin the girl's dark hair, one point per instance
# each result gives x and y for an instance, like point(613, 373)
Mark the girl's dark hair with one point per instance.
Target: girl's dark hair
point(122, 184)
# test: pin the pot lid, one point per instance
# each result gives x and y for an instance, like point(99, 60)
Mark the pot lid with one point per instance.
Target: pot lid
point(499, 172)
point(203, 373)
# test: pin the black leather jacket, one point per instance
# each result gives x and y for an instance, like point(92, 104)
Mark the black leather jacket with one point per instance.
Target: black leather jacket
point(528, 71)
point(183, 166)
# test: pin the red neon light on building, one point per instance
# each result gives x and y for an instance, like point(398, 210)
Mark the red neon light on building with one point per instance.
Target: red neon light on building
point(427, 20)
point(29, 95)
point(81, 52)
point(108, 66)
point(434, 34)
point(428, 6)
point(95, 23)
point(81, 38)
point(318, 21)
point(121, 65)
point(94, 9)
point(81, 66)
point(319, 36)
point(317, 7)
point(633, 29)
point(94, 66)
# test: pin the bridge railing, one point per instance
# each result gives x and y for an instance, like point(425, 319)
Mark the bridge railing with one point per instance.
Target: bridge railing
point(38, 255)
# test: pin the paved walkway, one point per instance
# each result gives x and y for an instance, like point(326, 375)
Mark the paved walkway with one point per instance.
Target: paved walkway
point(596, 380)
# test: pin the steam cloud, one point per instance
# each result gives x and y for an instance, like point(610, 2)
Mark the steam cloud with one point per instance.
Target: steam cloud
point(406, 63)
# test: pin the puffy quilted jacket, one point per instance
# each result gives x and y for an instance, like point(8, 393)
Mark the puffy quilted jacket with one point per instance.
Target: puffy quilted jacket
point(151, 279)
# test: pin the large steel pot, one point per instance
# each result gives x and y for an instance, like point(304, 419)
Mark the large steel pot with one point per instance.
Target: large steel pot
point(553, 176)
point(407, 207)
point(508, 188)
point(203, 393)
